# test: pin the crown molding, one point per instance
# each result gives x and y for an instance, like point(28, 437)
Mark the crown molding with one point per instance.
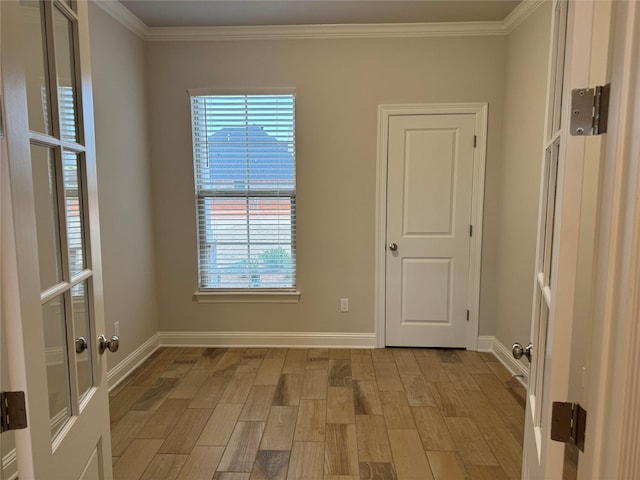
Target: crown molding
point(299, 32)
point(520, 13)
point(123, 15)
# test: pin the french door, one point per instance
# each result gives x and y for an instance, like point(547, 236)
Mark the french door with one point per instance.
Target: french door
point(51, 285)
point(558, 238)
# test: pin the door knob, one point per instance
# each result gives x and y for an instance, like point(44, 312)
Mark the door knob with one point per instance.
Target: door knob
point(518, 351)
point(112, 344)
point(81, 344)
point(393, 247)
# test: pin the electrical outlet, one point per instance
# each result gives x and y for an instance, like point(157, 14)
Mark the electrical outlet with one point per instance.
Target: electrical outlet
point(116, 329)
point(344, 305)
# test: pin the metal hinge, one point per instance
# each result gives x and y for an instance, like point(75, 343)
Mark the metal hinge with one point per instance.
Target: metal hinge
point(589, 110)
point(475, 141)
point(568, 422)
point(471, 230)
point(467, 315)
point(13, 411)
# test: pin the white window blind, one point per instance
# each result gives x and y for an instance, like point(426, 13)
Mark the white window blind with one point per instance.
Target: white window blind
point(72, 194)
point(244, 162)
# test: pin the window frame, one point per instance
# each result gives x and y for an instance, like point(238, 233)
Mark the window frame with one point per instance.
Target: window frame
point(242, 295)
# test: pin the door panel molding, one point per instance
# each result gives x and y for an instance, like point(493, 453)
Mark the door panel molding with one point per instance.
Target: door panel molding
point(480, 110)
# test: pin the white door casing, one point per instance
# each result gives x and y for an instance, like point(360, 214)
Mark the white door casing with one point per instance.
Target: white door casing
point(613, 390)
point(558, 240)
point(427, 157)
point(73, 442)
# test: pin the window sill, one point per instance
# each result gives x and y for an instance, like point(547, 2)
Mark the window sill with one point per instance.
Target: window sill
point(247, 297)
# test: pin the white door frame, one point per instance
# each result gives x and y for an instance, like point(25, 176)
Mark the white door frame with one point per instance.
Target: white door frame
point(480, 110)
point(613, 422)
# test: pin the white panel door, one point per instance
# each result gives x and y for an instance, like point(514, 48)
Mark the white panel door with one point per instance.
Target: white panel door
point(429, 197)
point(52, 284)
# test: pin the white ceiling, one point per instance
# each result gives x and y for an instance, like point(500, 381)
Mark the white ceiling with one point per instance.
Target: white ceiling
point(212, 13)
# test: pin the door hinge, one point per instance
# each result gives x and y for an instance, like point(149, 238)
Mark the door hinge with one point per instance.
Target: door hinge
point(467, 315)
point(568, 422)
point(13, 411)
point(471, 230)
point(589, 110)
point(475, 141)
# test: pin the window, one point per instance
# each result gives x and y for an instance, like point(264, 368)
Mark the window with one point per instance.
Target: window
point(68, 130)
point(244, 162)
point(71, 170)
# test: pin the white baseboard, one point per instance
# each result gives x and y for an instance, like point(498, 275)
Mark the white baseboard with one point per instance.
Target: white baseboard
point(492, 344)
point(131, 361)
point(485, 343)
point(268, 339)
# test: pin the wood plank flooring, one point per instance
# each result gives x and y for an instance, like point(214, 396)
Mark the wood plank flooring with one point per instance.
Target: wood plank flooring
point(307, 414)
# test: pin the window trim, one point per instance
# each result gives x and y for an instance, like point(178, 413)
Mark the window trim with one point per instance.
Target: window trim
point(196, 92)
point(204, 295)
point(247, 296)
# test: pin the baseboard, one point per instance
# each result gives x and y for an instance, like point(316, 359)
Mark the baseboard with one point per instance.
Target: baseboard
point(485, 343)
point(131, 361)
point(268, 339)
point(493, 345)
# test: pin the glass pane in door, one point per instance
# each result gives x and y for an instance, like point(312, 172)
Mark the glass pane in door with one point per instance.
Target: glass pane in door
point(74, 213)
point(551, 210)
point(83, 336)
point(559, 33)
point(543, 319)
point(45, 190)
point(36, 72)
point(55, 348)
point(544, 208)
point(63, 30)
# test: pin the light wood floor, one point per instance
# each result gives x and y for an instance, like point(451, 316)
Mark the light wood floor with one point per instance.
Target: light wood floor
point(294, 414)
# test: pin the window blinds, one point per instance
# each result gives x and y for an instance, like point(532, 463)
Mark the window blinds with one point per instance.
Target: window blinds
point(72, 193)
point(244, 163)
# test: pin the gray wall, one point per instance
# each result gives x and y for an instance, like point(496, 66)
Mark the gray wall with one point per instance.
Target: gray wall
point(339, 85)
point(519, 178)
point(124, 189)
